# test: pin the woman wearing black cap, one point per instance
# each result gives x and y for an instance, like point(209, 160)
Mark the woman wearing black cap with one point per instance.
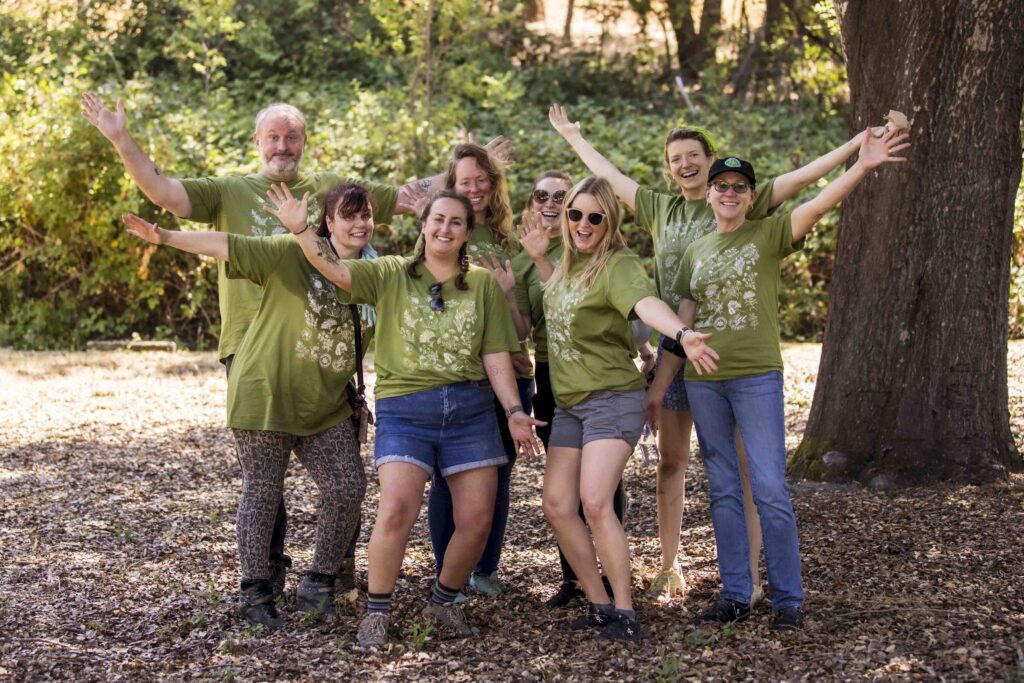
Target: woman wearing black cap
point(728, 284)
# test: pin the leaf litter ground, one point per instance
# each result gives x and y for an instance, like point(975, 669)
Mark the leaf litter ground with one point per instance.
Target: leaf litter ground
point(119, 484)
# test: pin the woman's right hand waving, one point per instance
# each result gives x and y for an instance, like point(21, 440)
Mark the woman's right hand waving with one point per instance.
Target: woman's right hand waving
point(292, 212)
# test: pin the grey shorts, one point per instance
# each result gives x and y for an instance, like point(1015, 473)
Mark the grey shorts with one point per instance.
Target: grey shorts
point(601, 415)
point(675, 397)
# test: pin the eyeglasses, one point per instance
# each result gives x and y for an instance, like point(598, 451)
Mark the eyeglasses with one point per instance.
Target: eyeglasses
point(541, 196)
point(594, 218)
point(723, 187)
point(436, 302)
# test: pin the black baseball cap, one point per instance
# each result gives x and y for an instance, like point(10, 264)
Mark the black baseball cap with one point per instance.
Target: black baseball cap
point(734, 164)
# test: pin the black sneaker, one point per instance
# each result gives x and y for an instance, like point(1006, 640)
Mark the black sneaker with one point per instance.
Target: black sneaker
point(724, 612)
point(591, 619)
point(789, 618)
point(256, 605)
point(567, 592)
point(622, 628)
point(316, 595)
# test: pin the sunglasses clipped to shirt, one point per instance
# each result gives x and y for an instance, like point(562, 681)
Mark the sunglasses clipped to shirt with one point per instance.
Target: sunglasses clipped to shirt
point(541, 196)
point(436, 302)
point(593, 217)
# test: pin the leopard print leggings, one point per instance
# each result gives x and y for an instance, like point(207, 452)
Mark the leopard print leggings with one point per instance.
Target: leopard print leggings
point(332, 460)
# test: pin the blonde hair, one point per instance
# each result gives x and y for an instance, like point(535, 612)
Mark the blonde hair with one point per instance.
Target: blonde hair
point(499, 208)
point(613, 239)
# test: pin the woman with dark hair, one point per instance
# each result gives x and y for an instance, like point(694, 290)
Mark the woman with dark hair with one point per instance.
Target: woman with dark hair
point(675, 220)
point(480, 178)
point(442, 356)
point(589, 300)
point(287, 390)
point(728, 281)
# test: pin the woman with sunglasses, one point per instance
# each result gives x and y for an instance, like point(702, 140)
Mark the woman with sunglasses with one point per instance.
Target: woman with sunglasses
point(674, 221)
point(480, 177)
point(541, 239)
point(287, 389)
point(589, 300)
point(443, 331)
point(728, 282)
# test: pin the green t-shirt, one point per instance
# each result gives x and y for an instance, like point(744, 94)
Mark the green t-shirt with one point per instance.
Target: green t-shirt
point(418, 348)
point(590, 340)
point(235, 204)
point(734, 278)
point(485, 243)
point(290, 369)
point(530, 295)
point(675, 222)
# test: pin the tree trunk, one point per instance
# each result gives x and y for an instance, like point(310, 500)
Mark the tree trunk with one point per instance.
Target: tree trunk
point(680, 14)
point(533, 10)
point(912, 383)
point(567, 29)
point(710, 29)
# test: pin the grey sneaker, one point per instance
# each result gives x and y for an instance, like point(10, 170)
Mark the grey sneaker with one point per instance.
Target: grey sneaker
point(256, 605)
point(373, 632)
point(315, 597)
point(488, 584)
point(449, 619)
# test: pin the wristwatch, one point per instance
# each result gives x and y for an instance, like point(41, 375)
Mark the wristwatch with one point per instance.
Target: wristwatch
point(679, 335)
point(509, 412)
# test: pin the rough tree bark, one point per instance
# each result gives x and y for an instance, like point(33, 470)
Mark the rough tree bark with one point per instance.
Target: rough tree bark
point(912, 383)
point(710, 29)
point(688, 49)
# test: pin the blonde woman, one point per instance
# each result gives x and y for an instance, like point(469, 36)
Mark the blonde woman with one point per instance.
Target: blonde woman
point(589, 300)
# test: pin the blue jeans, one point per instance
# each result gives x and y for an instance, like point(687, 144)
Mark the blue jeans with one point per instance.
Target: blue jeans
point(756, 405)
point(440, 517)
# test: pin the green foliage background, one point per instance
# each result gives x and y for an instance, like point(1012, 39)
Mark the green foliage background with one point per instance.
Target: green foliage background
point(384, 102)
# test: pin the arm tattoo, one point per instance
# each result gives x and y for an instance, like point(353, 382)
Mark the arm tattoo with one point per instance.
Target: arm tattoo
point(425, 183)
point(324, 251)
point(156, 169)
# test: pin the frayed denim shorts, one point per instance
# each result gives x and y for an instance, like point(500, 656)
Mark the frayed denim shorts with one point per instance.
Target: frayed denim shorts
point(451, 427)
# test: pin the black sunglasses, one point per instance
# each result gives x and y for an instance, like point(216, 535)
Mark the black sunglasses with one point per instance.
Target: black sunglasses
point(541, 196)
point(723, 187)
point(436, 302)
point(594, 218)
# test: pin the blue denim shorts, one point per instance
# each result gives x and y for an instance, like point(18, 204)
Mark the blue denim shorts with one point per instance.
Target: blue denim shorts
point(451, 427)
point(601, 415)
point(675, 397)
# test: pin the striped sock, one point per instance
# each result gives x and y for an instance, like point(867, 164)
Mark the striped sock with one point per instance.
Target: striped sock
point(441, 594)
point(378, 603)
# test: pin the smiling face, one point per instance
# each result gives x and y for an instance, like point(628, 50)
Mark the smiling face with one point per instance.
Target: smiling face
point(730, 206)
point(585, 234)
point(351, 232)
point(549, 210)
point(472, 182)
point(445, 228)
point(280, 140)
point(688, 165)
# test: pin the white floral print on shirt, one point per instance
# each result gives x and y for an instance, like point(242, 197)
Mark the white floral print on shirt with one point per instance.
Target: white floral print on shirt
point(726, 287)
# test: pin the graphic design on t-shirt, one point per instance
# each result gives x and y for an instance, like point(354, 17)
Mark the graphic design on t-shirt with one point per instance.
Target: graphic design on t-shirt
point(564, 299)
point(727, 284)
point(674, 240)
point(326, 339)
point(441, 339)
point(265, 224)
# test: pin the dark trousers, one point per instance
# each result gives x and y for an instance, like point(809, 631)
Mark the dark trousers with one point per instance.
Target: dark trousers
point(544, 410)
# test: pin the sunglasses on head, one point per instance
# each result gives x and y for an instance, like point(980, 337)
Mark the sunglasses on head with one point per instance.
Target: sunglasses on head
point(541, 196)
point(723, 187)
point(436, 302)
point(593, 217)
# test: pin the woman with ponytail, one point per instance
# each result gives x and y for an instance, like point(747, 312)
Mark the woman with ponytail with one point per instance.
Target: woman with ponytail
point(443, 354)
point(480, 177)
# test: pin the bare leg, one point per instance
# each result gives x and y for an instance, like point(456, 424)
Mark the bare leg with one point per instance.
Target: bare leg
point(401, 495)
point(674, 446)
point(473, 493)
point(600, 473)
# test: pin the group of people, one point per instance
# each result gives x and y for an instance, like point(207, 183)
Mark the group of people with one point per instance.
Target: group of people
point(302, 295)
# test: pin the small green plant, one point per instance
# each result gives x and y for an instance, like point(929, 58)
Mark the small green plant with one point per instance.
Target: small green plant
point(124, 534)
point(700, 638)
point(419, 632)
point(252, 630)
point(669, 670)
point(208, 595)
point(215, 517)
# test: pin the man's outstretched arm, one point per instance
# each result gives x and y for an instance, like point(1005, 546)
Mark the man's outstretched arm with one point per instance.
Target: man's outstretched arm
point(164, 191)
